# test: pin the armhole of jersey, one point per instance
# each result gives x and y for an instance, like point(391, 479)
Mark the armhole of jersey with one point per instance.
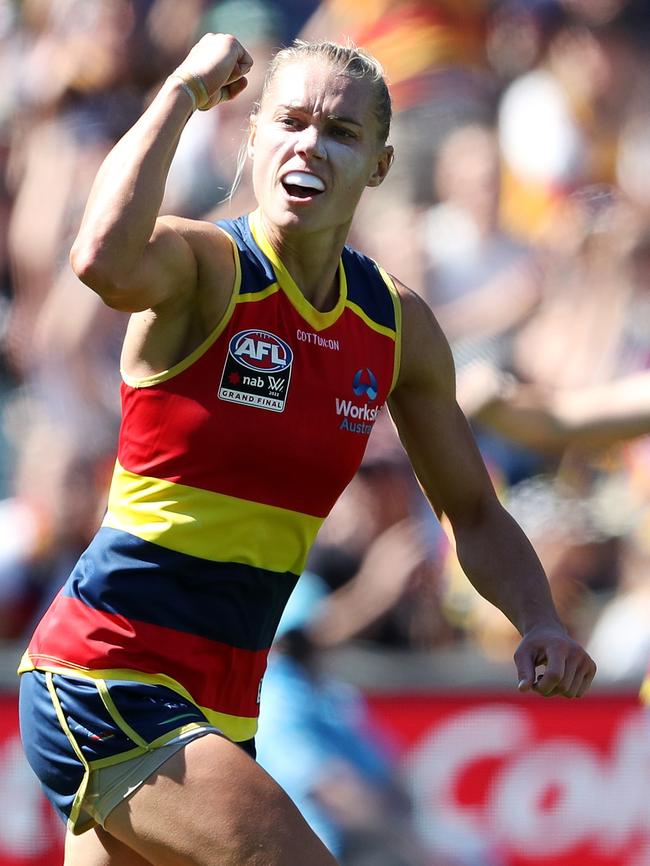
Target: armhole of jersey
point(397, 307)
point(164, 375)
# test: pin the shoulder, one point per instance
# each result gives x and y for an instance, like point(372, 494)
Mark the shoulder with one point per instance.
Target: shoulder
point(215, 261)
point(205, 239)
point(426, 358)
point(370, 288)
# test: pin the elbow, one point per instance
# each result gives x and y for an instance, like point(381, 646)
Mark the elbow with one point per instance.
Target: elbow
point(88, 266)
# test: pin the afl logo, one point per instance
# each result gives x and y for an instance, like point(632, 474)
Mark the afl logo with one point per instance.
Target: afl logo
point(260, 351)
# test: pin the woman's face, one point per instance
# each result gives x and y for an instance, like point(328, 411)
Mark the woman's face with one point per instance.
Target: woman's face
point(315, 146)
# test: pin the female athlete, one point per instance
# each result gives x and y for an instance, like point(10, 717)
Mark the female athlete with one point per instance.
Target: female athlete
point(258, 355)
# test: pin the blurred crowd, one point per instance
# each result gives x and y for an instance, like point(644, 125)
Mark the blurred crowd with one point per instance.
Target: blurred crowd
point(518, 207)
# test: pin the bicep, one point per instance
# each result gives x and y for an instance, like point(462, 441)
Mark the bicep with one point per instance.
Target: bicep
point(167, 269)
point(443, 453)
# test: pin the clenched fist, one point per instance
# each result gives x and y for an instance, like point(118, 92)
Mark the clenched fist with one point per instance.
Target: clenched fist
point(215, 69)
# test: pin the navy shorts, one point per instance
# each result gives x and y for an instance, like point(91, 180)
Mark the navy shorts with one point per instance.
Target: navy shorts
point(74, 727)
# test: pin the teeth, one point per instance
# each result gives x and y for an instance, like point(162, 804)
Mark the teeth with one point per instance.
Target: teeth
point(302, 178)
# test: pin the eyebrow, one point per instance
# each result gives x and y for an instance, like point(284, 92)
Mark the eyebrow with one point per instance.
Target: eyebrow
point(337, 118)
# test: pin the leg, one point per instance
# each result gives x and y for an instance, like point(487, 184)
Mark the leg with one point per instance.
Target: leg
point(97, 848)
point(211, 805)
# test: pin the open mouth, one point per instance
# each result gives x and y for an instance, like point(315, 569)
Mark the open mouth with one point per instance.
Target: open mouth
point(301, 184)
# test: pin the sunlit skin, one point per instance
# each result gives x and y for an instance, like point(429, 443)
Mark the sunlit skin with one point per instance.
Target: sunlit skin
point(316, 119)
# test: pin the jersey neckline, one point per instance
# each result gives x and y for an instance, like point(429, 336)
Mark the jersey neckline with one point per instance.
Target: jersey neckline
point(318, 319)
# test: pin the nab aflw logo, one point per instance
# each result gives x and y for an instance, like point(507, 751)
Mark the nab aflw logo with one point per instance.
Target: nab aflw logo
point(257, 370)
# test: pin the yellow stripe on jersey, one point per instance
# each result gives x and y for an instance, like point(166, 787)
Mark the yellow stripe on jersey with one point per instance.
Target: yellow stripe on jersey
point(237, 728)
point(60, 714)
point(397, 306)
point(381, 329)
point(210, 525)
point(259, 296)
point(318, 319)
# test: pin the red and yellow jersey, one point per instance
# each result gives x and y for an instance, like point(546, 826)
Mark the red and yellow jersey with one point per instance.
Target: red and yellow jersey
point(227, 465)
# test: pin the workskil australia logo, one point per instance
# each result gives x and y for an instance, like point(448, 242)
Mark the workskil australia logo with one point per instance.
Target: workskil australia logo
point(257, 371)
point(357, 418)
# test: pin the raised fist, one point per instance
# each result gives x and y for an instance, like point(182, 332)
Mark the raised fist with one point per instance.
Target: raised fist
point(215, 69)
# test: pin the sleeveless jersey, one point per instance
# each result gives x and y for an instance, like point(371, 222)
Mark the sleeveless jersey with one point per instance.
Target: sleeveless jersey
point(227, 465)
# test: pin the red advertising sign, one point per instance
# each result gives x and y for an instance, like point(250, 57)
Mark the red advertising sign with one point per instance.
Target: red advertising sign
point(523, 781)
point(30, 832)
point(496, 780)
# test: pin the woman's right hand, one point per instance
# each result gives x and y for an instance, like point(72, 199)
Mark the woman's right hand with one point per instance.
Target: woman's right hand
point(220, 63)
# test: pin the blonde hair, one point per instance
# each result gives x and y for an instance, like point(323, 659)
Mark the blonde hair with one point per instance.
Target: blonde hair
point(351, 60)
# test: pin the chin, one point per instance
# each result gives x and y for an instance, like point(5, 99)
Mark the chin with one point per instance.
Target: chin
point(287, 216)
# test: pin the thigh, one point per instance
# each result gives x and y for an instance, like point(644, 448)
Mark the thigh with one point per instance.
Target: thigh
point(212, 805)
point(97, 848)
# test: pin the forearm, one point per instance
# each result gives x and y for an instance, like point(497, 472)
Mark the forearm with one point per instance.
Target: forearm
point(502, 565)
point(127, 193)
point(593, 417)
point(603, 414)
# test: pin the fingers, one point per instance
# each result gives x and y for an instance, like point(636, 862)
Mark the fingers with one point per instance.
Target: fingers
point(526, 675)
point(567, 669)
point(574, 686)
point(527, 657)
point(227, 92)
point(230, 91)
point(242, 67)
point(220, 63)
point(584, 678)
point(554, 671)
point(244, 60)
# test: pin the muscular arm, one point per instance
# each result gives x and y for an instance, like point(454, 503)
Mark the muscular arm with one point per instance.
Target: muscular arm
point(492, 549)
point(132, 258)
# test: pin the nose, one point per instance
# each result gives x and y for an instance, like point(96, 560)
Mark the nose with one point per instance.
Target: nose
point(310, 142)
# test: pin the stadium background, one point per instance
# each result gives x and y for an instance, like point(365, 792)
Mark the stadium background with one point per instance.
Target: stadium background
point(519, 207)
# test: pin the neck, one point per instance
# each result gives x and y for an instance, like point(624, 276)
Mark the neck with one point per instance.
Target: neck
point(312, 259)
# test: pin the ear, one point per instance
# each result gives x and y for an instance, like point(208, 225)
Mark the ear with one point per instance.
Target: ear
point(384, 163)
point(252, 130)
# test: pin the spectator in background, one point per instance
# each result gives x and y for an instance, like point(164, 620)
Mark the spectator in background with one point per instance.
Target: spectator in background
point(46, 524)
point(317, 741)
point(559, 124)
point(480, 279)
point(380, 553)
point(481, 282)
point(434, 58)
point(74, 100)
point(216, 140)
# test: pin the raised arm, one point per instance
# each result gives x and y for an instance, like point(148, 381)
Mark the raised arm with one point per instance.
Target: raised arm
point(492, 549)
point(132, 258)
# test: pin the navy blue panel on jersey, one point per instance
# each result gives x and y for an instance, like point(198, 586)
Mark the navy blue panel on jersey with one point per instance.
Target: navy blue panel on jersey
point(235, 604)
point(367, 289)
point(257, 271)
